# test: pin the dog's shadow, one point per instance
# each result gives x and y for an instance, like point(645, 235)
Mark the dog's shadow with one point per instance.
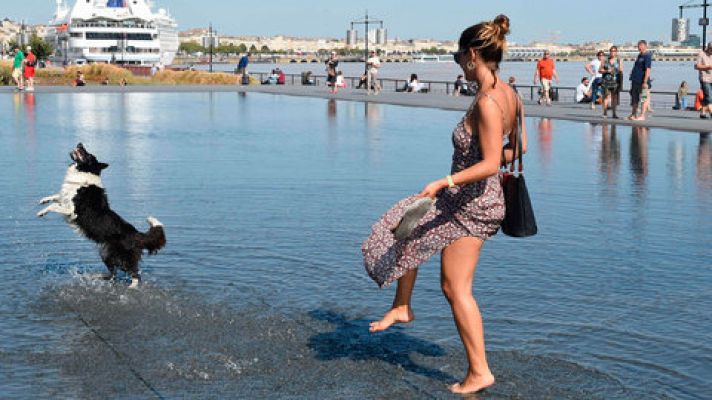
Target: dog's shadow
point(352, 340)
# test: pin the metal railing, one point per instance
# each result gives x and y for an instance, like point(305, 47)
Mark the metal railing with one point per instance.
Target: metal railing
point(564, 94)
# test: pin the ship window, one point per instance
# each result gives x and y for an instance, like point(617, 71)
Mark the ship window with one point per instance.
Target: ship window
point(118, 36)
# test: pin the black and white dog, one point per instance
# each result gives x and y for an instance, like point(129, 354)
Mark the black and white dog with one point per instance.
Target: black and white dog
point(83, 202)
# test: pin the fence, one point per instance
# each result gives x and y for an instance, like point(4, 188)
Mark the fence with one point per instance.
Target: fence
point(566, 94)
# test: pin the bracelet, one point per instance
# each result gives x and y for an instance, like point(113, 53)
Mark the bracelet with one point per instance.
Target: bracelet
point(450, 181)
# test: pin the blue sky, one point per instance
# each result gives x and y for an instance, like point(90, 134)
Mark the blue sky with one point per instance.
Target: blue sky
point(566, 20)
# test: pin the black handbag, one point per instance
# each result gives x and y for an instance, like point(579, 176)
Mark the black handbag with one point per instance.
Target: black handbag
point(519, 218)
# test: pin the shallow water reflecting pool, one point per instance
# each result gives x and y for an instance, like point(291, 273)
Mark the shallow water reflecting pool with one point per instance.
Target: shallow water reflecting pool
point(261, 290)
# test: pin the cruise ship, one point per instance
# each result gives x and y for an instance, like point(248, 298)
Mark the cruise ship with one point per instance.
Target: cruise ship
point(425, 58)
point(113, 31)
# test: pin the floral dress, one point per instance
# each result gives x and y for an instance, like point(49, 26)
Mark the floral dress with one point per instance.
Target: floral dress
point(472, 210)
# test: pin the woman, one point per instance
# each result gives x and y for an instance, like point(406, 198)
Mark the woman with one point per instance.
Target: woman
point(610, 70)
point(469, 207)
point(619, 77)
point(30, 65)
point(331, 64)
point(413, 85)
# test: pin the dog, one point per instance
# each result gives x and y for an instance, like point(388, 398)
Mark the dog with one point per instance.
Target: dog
point(83, 202)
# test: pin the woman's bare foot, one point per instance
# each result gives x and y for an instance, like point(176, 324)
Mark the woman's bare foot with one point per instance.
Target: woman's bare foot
point(396, 315)
point(473, 384)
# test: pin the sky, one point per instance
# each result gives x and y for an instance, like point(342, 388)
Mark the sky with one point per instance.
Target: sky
point(562, 21)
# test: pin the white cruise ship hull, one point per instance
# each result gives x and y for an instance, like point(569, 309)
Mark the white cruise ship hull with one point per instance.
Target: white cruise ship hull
point(113, 31)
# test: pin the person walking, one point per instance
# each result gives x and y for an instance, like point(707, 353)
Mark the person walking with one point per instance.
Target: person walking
point(469, 205)
point(594, 70)
point(17, 68)
point(640, 80)
point(373, 63)
point(545, 72)
point(331, 71)
point(30, 65)
point(704, 66)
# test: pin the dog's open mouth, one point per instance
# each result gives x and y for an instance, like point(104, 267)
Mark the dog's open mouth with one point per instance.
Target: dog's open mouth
point(77, 154)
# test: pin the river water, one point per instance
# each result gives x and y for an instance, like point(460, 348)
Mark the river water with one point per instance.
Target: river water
point(261, 291)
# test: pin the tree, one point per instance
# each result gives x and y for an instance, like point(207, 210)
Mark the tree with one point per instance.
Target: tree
point(191, 48)
point(264, 49)
point(253, 49)
point(227, 49)
point(40, 47)
point(242, 48)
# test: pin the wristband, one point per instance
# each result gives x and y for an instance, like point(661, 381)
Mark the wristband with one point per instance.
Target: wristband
point(450, 181)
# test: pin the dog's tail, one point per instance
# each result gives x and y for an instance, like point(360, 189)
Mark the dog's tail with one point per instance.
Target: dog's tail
point(155, 238)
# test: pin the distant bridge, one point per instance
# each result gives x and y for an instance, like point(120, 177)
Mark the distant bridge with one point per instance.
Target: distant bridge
point(313, 58)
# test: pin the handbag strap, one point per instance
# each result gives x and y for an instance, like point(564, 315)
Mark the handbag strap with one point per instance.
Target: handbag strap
point(517, 145)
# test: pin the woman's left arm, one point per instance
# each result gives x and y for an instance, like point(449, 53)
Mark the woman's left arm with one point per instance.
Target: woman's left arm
point(489, 128)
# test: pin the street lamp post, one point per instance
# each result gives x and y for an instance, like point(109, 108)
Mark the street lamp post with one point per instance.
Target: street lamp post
point(366, 21)
point(210, 45)
point(704, 21)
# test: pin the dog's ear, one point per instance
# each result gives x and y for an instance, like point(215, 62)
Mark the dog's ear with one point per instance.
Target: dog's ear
point(103, 165)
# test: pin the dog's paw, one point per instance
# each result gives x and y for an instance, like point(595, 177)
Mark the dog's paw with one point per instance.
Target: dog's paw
point(100, 277)
point(42, 213)
point(47, 199)
point(153, 221)
point(134, 283)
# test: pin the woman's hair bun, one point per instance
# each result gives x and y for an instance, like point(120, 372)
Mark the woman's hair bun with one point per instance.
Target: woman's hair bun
point(502, 22)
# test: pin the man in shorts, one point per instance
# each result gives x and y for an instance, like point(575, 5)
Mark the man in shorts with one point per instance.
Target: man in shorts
point(545, 71)
point(639, 79)
point(17, 68)
point(704, 65)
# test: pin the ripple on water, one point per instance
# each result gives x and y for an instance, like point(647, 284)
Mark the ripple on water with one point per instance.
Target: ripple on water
point(169, 342)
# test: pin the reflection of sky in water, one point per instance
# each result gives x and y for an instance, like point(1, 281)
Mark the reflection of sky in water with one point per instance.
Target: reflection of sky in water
point(270, 194)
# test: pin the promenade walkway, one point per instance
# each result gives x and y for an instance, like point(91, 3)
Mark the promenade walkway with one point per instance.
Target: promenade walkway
point(666, 119)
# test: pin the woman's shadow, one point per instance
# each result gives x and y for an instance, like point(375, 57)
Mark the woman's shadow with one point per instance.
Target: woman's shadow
point(351, 339)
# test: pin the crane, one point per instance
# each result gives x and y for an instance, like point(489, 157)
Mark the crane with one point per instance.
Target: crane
point(704, 21)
